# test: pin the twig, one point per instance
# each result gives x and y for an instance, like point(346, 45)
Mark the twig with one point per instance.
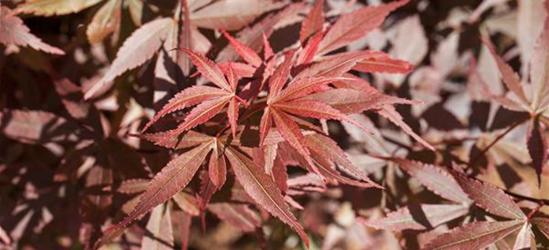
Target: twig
point(483, 152)
point(532, 199)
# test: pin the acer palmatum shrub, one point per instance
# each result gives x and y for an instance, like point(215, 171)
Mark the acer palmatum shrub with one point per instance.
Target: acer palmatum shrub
point(244, 124)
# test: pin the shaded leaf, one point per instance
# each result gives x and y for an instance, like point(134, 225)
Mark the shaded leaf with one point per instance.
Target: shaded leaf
point(422, 217)
point(238, 215)
point(14, 31)
point(104, 22)
point(55, 7)
point(36, 126)
point(390, 113)
point(159, 234)
point(172, 179)
point(537, 147)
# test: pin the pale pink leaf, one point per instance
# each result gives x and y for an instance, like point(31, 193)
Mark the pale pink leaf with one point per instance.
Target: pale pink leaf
point(187, 203)
point(4, 236)
point(159, 234)
point(132, 186)
point(355, 25)
point(509, 77)
point(54, 7)
point(524, 238)
point(407, 217)
point(137, 49)
point(539, 72)
point(14, 32)
point(230, 14)
point(238, 215)
point(104, 22)
point(390, 113)
point(36, 126)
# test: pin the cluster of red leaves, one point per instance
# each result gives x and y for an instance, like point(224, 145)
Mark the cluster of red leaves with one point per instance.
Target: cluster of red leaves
point(232, 120)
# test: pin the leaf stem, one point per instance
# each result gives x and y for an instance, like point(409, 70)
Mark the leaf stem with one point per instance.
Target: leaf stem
point(485, 150)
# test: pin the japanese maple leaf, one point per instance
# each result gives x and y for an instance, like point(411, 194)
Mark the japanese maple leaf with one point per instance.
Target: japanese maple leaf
point(14, 32)
point(178, 173)
point(284, 103)
point(210, 100)
point(532, 98)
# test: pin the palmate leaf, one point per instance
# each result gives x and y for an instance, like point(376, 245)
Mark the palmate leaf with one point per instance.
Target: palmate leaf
point(434, 178)
point(510, 78)
point(37, 127)
point(313, 23)
point(539, 73)
point(105, 21)
point(217, 168)
point(537, 147)
point(542, 224)
point(159, 235)
point(186, 98)
point(422, 217)
point(476, 235)
point(244, 51)
point(335, 65)
point(141, 46)
point(14, 32)
point(55, 7)
point(352, 101)
point(238, 215)
point(355, 25)
point(325, 147)
point(252, 36)
point(172, 179)
point(489, 197)
point(390, 113)
point(263, 190)
point(524, 238)
point(230, 14)
point(379, 62)
point(213, 99)
point(206, 110)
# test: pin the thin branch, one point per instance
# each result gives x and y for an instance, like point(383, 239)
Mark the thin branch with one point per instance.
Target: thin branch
point(485, 150)
point(527, 198)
